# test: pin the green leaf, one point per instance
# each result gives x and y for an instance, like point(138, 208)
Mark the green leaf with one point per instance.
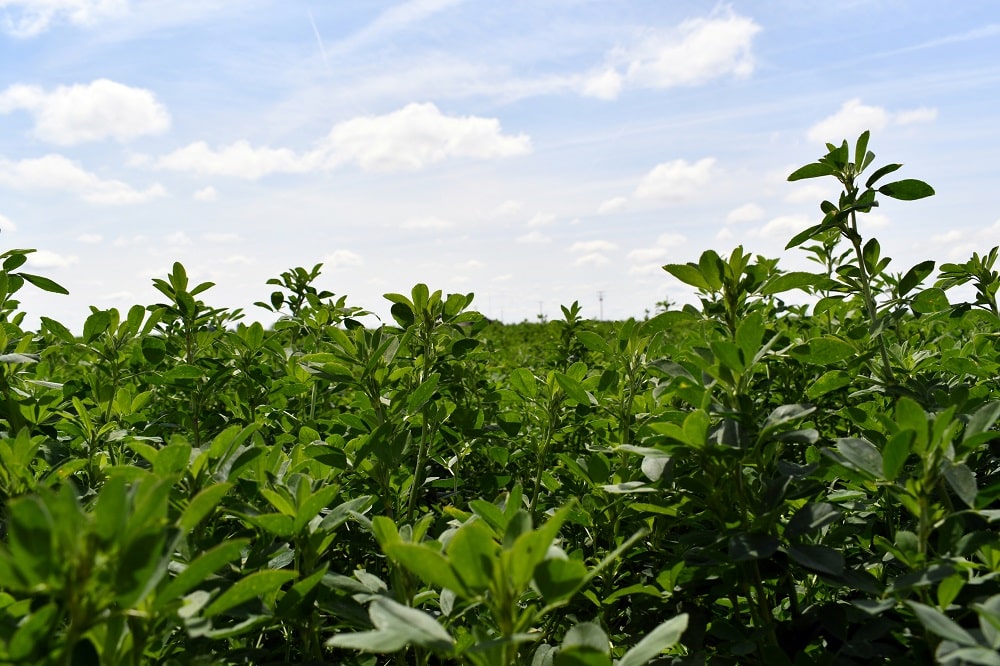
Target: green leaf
point(586, 635)
point(201, 505)
point(574, 390)
point(688, 274)
point(665, 636)
point(558, 579)
point(594, 342)
point(940, 624)
point(811, 518)
point(804, 235)
point(861, 455)
point(817, 558)
point(34, 635)
point(793, 280)
point(814, 170)
point(429, 565)
point(963, 481)
point(44, 283)
point(57, 329)
point(200, 569)
point(254, 586)
point(422, 393)
point(930, 300)
point(473, 553)
point(827, 382)
point(524, 382)
point(895, 452)
point(915, 276)
point(396, 626)
point(823, 350)
point(907, 190)
point(880, 172)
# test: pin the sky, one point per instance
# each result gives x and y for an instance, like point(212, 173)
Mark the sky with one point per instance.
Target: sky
point(534, 152)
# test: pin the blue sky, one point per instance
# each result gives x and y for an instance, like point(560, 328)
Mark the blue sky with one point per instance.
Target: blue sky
point(534, 153)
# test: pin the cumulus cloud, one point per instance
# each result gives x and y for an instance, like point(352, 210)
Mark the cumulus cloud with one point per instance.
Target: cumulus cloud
point(541, 220)
point(238, 160)
point(414, 137)
point(90, 239)
point(854, 117)
point(533, 237)
point(29, 18)
point(178, 238)
point(606, 84)
point(611, 205)
point(417, 136)
point(649, 260)
point(6, 224)
point(507, 208)
point(695, 52)
point(56, 172)
point(69, 115)
point(591, 259)
point(676, 180)
point(784, 225)
point(206, 194)
point(749, 212)
point(593, 246)
point(47, 259)
point(343, 259)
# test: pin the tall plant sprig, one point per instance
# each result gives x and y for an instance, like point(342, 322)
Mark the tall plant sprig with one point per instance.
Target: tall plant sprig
point(843, 217)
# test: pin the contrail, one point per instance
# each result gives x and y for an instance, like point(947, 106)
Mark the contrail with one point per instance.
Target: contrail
point(319, 40)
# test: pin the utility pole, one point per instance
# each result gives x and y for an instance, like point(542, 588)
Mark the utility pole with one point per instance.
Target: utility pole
point(600, 300)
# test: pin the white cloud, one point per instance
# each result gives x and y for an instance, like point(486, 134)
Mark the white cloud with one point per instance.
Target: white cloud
point(914, 116)
point(417, 136)
point(697, 51)
point(748, 212)
point(6, 224)
point(606, 84)
point(611, 205)
point(591, 259)
point(849, 122)
point(948, 237)
point(178, 238)
point(428, 223)
point(79, 113)
point(853, 118)
point(471, 264)
point(29, 18)
point(541, 220)
point(239, 160)
point(507, 208)
point(47, 259)
point(676, 180)
point(785, 224)
point(724, 234)
point(811, 193)
point(136, 239)
point(90, 239)
point(343, 259)
point(593, 246)
point(533, 237)
point(238, 259)
point(414, 137)
point(647, 254)
point(56, 172)
point(649, 260)
point(206, 194)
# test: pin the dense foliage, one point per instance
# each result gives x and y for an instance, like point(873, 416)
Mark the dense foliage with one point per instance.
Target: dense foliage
point(743, 482)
